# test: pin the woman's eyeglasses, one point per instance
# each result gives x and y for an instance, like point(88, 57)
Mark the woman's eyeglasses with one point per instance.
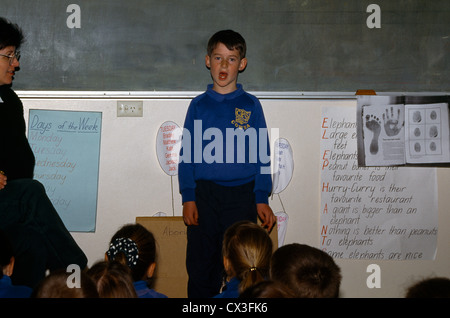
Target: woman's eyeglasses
point(16, 55)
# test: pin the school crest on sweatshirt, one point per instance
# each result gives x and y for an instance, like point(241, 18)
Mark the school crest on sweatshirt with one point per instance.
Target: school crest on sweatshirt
point(242, 118)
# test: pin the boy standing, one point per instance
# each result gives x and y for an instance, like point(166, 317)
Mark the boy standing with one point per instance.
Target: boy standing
point(222, 181)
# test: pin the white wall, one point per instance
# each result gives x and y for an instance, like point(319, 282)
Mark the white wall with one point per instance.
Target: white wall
point(131, 182)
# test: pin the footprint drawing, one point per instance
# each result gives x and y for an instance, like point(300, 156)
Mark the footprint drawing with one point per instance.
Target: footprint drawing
point(374, 125)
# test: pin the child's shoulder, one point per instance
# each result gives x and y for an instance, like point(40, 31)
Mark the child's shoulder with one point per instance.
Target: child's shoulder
point(199, 97)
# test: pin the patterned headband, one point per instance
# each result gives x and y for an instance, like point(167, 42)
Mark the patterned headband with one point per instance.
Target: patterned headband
point(126, 246)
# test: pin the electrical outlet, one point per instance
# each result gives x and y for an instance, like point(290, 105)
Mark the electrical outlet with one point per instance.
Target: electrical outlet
point(130, 108)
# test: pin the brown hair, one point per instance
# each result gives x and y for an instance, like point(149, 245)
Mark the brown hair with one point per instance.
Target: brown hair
point(55, 286)
point(113, 280)
point(146, 245)
point(305, 271)
point(231, 39)
point(248, 248)
point(435, 287)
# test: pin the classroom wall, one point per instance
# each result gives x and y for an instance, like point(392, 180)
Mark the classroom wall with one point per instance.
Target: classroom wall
point(131, 182)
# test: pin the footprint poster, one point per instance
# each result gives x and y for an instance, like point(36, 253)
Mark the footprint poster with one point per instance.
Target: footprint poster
point(376, 213)
point(384, 134)
point(401, 130)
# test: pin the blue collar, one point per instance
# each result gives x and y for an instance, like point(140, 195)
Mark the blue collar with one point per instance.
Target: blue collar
point(221, 97)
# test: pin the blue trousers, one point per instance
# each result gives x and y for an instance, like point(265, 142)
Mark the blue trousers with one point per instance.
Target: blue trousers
point(39, 237)
point(219, 207)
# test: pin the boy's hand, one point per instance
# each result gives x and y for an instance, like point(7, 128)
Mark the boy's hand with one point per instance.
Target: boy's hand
point(266, 214)
point(2, 180)
point(190, 213)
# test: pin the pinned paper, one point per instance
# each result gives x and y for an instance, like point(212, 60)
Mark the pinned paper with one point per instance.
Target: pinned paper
point(283, 165)
point(282, 221)
point(168, 145)
point(283, 171)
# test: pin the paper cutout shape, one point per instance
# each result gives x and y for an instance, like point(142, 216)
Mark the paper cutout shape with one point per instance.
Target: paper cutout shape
point(168, 145)
point(282, 222)
point(284, 161)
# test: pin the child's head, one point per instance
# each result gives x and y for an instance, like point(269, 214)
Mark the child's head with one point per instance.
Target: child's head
point(231, 39)
point(435, 287)
point(55, 285)
point(113, 280)
point(247, 249)
point(135, 246)
point(225, 59)
point(305, 271)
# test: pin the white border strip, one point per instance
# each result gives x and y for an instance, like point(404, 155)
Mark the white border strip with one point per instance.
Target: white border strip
point(192, 94)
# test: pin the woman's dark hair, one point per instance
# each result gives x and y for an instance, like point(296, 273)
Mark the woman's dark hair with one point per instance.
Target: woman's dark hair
point(10, 34)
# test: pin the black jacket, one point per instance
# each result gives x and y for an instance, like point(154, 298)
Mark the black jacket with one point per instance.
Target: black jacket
point(16, 157)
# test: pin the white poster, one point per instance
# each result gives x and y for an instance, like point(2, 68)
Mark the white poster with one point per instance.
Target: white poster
point(284, 164)
point(383, 213)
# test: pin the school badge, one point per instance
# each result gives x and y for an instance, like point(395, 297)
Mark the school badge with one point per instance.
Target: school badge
point(242, 118)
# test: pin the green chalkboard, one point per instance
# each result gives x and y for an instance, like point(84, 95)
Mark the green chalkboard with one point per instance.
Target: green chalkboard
point(293, 45)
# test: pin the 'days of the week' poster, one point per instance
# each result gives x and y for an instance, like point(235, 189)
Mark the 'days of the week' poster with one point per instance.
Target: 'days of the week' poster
point(66, 145)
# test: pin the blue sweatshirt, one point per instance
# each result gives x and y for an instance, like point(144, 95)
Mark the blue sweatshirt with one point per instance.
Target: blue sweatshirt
point(8, 290)
point(225, 140)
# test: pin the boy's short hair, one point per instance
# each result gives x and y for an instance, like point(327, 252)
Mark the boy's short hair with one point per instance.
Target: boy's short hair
point(305, 271)
point(10, 34)
point(231, 39)
point(435, 287)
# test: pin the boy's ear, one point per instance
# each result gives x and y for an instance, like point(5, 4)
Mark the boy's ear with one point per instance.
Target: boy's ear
point(243, 64)
point(208, 61)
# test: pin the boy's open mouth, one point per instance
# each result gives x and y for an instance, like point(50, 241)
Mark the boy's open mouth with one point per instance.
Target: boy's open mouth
point(223, 75)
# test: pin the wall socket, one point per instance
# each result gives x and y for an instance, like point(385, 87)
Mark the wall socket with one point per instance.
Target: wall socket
point(130, 108)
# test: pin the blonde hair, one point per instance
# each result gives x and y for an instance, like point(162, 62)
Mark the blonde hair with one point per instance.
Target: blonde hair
point(112, 279)
point(248, 248)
